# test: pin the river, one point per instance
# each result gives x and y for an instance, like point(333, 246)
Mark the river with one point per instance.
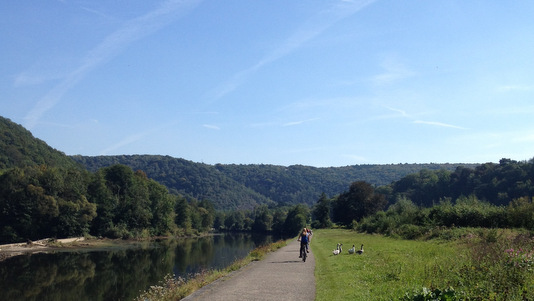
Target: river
point(118, 274)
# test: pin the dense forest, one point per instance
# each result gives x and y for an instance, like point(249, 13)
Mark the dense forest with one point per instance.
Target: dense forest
point(231, 186)
point(498, 184)
point(44, 193)
point(40, 201)
point(424, 203)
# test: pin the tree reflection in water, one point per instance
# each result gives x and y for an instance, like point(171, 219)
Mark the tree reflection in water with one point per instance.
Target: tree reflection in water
point(118, 274)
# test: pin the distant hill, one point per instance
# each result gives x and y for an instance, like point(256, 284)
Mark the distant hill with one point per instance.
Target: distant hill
point(18, 148)
point(231, 186)
point(197, 180)
point(228, 186)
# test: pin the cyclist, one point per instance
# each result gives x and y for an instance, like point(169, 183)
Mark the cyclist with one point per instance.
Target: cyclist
point(303, 238)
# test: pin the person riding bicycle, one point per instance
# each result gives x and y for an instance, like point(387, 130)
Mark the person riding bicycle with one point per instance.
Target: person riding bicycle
point(303, 238)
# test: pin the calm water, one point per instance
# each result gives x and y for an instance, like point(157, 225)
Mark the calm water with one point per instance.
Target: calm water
point(117, 274)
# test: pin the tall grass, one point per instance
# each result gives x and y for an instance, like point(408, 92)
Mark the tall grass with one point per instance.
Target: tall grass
point(483, 265)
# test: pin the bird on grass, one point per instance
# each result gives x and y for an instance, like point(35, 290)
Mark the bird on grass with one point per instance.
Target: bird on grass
point(337, 250)
point(360, 251)
point(352, 250)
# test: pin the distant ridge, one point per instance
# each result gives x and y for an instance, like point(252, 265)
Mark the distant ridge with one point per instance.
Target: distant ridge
point(228, 186)
point(18, 148)
point(231, 186)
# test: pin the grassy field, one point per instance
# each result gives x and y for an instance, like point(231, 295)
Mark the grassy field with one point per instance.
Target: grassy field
point(391, 268)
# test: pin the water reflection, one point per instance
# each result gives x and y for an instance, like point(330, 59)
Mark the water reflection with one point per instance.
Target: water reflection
point(118, 274)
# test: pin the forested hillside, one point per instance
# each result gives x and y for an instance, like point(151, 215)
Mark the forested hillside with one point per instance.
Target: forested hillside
point(44, 193)
point(231, 186)
point(18, 148)
point(498, 184)
point(228, 186)
point(197, 180)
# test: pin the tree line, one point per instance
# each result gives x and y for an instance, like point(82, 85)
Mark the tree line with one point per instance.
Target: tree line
point(245, 186)
point(40, 201)
point(43, 201)
point(497, 184)
point(490, 196)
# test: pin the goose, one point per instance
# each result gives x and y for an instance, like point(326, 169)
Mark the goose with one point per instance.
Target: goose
point(360, 251)
point(340, 249)
point(337, 250)
point(351, 250)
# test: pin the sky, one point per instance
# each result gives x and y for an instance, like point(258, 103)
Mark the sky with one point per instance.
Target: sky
point(318, 83)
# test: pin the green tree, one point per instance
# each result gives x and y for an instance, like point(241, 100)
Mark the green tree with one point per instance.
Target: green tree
point(360, 201)
point(521, 213)
point(279, 218)
point(162, 208)
point(218, 223)
point(98, 193)
point(182, 213)
point(262, 219)
point(321, 213)
point(297, 218)
point(207, 214)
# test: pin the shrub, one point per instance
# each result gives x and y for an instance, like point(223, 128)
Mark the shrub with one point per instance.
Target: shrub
point(448, 294)
point(409, 231)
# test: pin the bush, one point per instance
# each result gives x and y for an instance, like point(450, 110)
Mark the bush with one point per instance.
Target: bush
point(118, 231)
point(409, 231)
point(448, 294)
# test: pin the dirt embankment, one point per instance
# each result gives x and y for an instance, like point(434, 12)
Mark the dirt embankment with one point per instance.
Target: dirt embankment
point(43, 245)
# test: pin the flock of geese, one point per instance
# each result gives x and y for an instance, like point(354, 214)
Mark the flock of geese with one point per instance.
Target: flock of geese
point(352, 250)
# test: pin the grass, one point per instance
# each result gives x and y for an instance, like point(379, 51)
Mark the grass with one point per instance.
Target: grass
point(476, 267)
point(387, 268)
point(172, 288)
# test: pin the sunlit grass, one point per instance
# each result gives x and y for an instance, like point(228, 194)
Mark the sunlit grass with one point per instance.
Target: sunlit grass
point(385, 271)
point(487, 264)
point(172, 288)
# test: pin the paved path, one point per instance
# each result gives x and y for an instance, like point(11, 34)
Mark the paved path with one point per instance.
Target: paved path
point(281, 275)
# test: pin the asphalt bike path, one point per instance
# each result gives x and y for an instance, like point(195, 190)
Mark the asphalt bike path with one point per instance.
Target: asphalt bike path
point(281, 275)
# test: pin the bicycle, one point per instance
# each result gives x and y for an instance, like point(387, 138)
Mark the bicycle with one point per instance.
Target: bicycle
point(303, 252)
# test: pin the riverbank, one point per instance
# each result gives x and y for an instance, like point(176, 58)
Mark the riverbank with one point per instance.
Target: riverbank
point(177, 288)
point(43, 245)
point(53, 245)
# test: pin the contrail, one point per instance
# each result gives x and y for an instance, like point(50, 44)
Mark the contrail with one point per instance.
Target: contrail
point(309, 30)
point(110, 47)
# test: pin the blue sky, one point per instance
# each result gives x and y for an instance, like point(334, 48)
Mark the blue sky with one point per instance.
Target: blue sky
point(320, 83)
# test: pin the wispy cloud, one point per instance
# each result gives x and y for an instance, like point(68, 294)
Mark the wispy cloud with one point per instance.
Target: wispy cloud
point(404, 114)
point(401, 112)
point(293, 123)
point(136, 137)
point(393, 71)
point(308, 31)
point(299, 122)
point(98, 13)
point(131, 31)
point(30, 78)
point(510, 88)
point(127, 140)
point(440, 124)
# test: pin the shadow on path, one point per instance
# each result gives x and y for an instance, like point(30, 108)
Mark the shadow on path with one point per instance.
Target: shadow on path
point(280, 276)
